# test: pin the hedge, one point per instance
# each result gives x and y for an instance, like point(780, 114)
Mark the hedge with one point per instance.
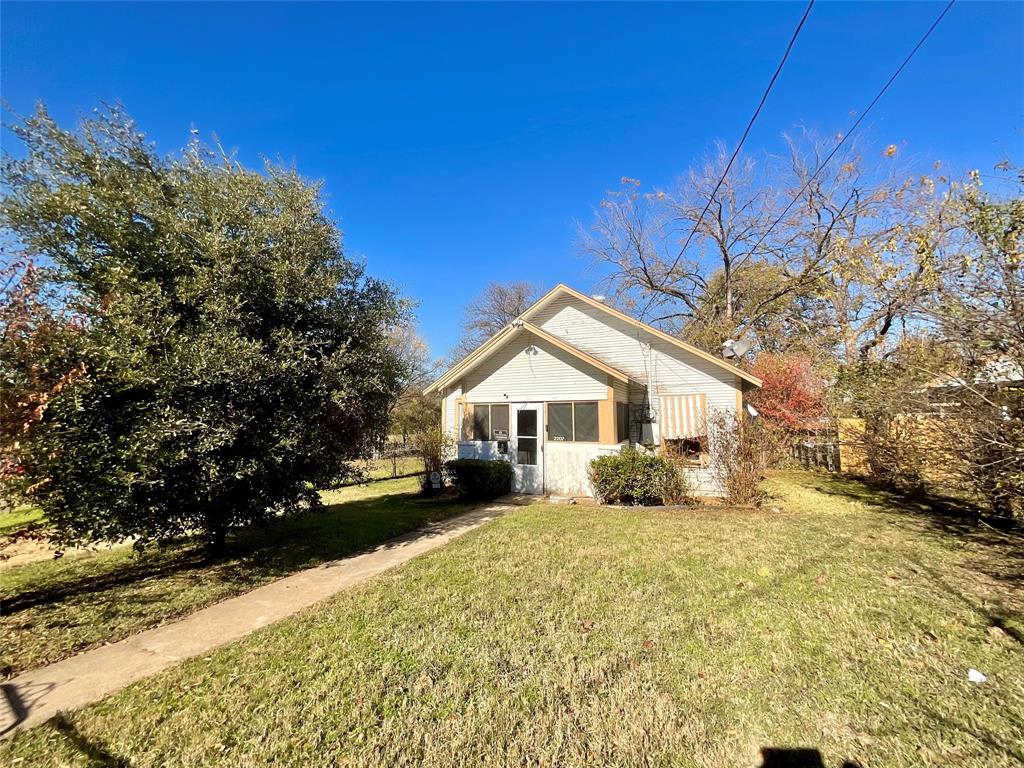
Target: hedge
point(479, 479)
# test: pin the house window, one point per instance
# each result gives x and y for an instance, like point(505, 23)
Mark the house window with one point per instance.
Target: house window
point(489, 422)
point(572, 422)
point(690, 450)
point(481, 422)
point(499, 421)
point(621, 422)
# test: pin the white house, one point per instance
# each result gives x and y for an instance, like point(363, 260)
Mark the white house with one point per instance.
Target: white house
point(572, 378)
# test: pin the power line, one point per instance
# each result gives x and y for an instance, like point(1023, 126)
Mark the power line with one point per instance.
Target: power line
point(847, 135)
point(739, 146)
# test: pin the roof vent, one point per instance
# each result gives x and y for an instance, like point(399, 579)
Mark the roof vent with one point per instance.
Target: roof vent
point(598, 297)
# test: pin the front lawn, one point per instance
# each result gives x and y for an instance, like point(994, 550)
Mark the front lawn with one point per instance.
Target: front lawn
point(19, 518)
point(54, 608)
point(574, 635)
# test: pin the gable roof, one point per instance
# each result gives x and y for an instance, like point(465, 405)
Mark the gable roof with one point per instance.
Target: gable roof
point(506, 334)
point(561, 288)
point(522, 322)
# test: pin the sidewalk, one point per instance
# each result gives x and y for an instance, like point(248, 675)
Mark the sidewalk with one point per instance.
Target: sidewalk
point(35, 696)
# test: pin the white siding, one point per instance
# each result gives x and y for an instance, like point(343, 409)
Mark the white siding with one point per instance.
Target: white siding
point(565, 467)
point(621, 389)
point(451, 416)
point(664, 368)
point(531, 369)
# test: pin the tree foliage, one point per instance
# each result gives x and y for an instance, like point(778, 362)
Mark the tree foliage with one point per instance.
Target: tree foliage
point(414, 411)
point(205, 352)
point(902, 290)
point(793, 394)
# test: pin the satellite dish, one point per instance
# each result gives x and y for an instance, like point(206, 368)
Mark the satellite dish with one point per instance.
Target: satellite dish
point(734, 350)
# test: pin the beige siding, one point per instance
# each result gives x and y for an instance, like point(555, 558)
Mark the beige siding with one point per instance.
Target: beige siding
point(530, 369)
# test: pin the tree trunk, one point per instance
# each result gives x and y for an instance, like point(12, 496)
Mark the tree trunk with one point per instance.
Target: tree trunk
point(727, 276)
point(216, 540)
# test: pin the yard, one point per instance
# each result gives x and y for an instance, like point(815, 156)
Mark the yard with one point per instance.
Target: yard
point(574, 635)
point(53, 608)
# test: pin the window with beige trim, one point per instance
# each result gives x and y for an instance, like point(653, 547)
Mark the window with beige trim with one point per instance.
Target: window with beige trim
point(485, 421)
point(573, 422)
point(621, 422)
point(691, 451)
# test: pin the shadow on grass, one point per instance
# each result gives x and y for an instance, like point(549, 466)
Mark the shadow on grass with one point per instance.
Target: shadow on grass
point(997, 553)
point(946, 514)
point(97, 754)
point(798, 757)
point(255, 554)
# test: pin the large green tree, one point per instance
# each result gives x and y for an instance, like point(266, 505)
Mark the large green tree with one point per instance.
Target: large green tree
point(216, 356)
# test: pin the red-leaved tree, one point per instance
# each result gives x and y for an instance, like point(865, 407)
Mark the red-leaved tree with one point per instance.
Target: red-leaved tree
point(793, 394)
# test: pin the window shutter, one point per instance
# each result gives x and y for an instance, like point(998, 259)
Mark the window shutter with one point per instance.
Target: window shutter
point(683, 416)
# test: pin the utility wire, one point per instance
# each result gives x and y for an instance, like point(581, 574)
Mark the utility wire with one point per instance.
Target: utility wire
point(847, 135)
point(736, 152)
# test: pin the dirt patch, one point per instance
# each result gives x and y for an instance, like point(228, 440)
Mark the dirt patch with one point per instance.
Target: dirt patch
point(31, 545)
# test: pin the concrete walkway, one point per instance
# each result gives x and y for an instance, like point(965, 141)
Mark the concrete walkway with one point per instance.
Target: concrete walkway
point(37, 695)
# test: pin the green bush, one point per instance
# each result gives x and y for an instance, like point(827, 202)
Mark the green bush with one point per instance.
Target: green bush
point(479, 479)
point(635, 477)
point(198, 352)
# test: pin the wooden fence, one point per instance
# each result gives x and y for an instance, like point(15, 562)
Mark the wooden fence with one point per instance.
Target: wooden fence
point(818, 451)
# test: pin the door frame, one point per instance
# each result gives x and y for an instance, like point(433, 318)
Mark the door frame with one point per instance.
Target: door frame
point(520, 475)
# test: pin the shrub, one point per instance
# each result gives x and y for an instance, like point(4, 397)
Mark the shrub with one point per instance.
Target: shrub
point(479, 479)
point(635, 477)
point(739, 456)
point(432, 444)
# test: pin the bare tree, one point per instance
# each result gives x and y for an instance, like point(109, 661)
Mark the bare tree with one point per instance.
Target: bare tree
point(668, 261)
point(694, 261)
point(791, 251)
point(413, 411)
point(863, 238)
point(486, 314)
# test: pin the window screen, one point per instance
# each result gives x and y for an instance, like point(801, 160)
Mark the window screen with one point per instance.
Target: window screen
point(499, 422)
point(526, 422)
point(526, 450)
point(560, 421)
point(526, 441)
point(481, 423)
point(621, 422)
point(586, 422)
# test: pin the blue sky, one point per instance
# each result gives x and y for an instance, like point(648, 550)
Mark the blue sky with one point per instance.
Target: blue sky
point(462, 143)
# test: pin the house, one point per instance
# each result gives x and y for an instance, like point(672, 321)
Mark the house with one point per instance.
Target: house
point(571, 379)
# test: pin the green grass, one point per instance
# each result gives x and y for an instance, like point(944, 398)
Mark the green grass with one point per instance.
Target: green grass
point(54, 608)
point(382, 469)
point(571, 636)
point(18, 518)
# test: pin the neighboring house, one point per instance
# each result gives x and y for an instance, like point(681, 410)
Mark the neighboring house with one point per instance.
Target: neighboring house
point(572, 379)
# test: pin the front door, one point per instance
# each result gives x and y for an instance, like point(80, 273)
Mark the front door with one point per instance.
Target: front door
point(527, 451)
